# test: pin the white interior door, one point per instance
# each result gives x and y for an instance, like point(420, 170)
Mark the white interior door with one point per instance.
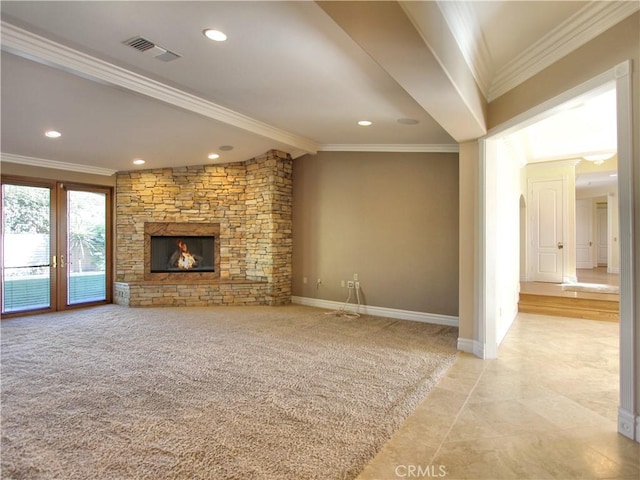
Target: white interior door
point(603, 238)
point(584, 233)
point(547, 227)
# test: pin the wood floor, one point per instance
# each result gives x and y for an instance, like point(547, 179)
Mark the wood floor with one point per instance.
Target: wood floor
point(551, 299)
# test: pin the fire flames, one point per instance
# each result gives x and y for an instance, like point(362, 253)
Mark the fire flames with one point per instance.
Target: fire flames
point(186, 260)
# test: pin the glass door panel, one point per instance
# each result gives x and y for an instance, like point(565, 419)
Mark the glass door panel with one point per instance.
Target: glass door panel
point(86, 252)
point(55, 247)
point(26, 248)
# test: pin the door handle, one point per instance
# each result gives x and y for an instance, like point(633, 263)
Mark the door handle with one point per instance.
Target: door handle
point(54, 261)
point(61, 261)
point(560, 245)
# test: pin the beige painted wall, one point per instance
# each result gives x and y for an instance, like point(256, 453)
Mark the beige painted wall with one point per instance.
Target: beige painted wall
point(392, 218)
point(469, 153)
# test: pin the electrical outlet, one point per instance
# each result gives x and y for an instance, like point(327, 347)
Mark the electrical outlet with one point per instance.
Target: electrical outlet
point(355, 277)
point(350, 284)
point(304, 280)
point(358, 285)
point(318, 283)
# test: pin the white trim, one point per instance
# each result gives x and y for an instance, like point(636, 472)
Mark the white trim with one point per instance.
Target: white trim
point(34, 47)
point(554, 105)
point(637, 439)
point(462, 22)
point(297, 153)
point(42, 162)
point(471, 346)
point(379, 311)
point(384, 147)
point(628, 424)
point(466, 344)
point(486, 257)
point(570, 162)
point(629, 330)
point(582, 27)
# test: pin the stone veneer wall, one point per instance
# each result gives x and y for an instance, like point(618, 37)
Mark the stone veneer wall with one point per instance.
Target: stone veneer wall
point(251, 201)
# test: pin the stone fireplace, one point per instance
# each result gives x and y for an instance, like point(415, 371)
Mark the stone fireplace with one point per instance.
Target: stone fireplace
point(245, 208)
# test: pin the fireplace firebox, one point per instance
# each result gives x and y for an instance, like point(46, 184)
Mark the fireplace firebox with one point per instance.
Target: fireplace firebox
point(172, 253)
point(181, 252)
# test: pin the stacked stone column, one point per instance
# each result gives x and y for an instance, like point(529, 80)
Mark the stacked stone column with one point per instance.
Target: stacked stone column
point(269, 240)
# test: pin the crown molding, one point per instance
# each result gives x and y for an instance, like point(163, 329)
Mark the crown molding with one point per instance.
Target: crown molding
point(571, 161)
point(589, 22)
point(42, 162)
point(34, 47)
point(468, 35)
point(297, 153)
point(408, 148)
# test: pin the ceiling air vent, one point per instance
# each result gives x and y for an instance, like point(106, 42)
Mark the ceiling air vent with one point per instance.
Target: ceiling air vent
point(149, 48)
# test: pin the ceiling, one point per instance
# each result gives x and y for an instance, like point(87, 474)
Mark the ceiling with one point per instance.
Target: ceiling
point(295, 76)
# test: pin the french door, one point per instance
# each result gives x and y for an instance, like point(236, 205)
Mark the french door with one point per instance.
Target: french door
point(56, 249)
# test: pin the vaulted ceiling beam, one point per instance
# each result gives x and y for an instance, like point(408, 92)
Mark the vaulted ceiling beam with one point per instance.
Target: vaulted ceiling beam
point(412, 42)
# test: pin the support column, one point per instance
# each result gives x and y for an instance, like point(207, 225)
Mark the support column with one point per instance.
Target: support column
point(268, 227)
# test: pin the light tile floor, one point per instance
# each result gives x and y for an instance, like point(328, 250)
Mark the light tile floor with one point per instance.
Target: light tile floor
point(545, 409)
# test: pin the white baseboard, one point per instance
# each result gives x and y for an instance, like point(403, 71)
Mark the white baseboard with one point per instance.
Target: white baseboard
point(628, 424)
point(379, 311)
point(471, 346)
point(466, 345)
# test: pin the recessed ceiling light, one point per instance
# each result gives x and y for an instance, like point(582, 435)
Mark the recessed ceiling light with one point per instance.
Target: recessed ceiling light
point(215, 35)
point(365, 123)
point(213, 156)
point(139, 161)
point(226, 148)
point(53, 134)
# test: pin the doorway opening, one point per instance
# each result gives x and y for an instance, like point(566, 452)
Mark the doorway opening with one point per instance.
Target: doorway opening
point(490, 308)
point(56, 245)
point(571, 212)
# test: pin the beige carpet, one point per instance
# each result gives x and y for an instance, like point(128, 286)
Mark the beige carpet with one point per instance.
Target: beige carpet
point(209, 393)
